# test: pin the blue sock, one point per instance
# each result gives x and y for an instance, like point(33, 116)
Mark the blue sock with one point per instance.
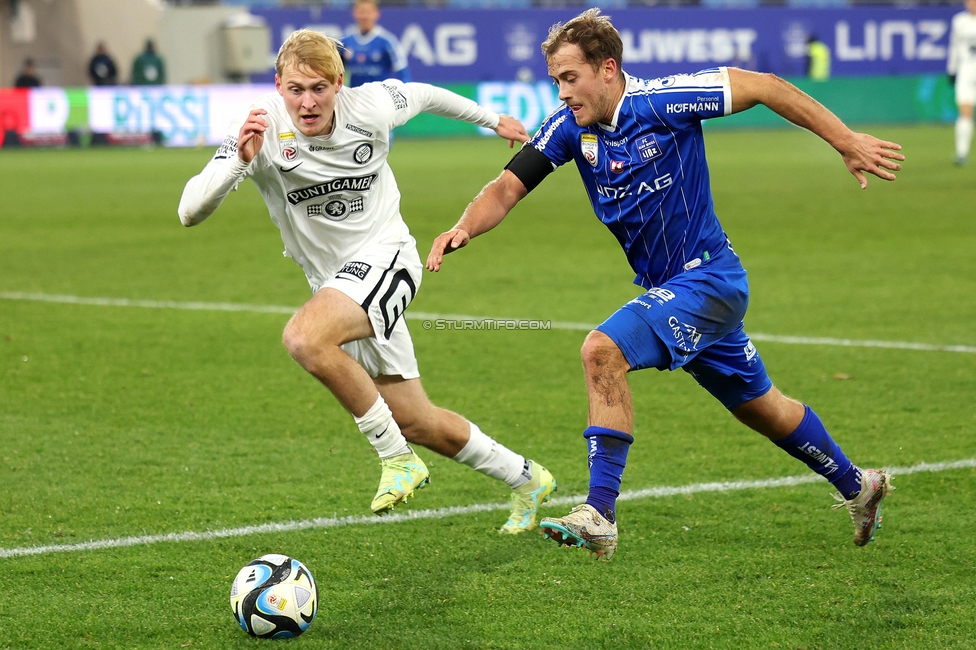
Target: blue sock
point(811, 443)
point(607, 459)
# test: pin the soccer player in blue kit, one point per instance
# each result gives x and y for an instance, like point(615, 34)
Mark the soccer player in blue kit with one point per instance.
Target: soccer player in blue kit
point(370, 52)
point(639, 149)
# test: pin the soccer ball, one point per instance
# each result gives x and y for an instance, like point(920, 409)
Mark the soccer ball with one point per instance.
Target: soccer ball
point(274, 597)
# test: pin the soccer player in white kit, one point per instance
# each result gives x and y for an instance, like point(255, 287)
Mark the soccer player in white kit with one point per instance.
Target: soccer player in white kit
point(961, 67)
point(317, 152)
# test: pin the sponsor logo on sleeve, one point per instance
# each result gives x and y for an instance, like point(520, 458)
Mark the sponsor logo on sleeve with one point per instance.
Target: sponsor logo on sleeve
point(399, 101)
point(711, 105)
point(544, 140)
point(589, 145)
point(227, 148)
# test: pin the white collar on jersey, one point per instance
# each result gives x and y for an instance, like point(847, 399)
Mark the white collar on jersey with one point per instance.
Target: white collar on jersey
point(616, 113)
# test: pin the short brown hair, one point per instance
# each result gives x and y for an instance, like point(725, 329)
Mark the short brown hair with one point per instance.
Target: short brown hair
point(595, 35)
point(312, 50)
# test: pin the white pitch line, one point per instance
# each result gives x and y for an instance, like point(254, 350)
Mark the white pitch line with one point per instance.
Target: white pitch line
point(442, 513)
point(427, 316)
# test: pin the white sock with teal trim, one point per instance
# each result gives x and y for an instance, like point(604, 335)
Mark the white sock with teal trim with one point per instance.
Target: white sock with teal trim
point(964, 136)
point(494, 459)
point(382, 431)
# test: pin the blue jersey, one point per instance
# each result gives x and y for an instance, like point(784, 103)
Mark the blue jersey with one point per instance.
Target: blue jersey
point(646, 174)
point(374, 56)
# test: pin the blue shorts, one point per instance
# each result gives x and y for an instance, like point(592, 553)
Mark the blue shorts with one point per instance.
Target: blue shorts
point(694, 322)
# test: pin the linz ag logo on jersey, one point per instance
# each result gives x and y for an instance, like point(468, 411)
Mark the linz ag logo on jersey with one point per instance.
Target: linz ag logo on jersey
point(623, 191)
point(356, 184)
point(648, 148)
point(355, 269)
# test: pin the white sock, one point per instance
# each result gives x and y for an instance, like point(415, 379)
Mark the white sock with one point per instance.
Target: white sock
point(382, 431)
point(494, 459)
point(964, 136)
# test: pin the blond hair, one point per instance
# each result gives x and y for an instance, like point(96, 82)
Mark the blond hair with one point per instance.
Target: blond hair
point(313, 51)
point(595, 35)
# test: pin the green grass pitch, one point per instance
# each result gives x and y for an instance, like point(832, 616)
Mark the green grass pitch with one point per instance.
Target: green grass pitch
point(123, 421)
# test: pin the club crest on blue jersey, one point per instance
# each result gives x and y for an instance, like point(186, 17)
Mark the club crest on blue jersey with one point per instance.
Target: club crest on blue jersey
point(648, 148)
point(589, 145)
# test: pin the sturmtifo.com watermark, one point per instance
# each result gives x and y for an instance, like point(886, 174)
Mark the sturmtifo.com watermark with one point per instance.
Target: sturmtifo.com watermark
point(476, 324)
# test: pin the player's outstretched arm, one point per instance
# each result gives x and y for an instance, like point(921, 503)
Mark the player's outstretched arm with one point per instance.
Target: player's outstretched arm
point(205, 192)
point(487, 210)
point(861, 152)
point(425, 98)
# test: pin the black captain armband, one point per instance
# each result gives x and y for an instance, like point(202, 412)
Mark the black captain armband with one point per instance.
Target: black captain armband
point(530, 166)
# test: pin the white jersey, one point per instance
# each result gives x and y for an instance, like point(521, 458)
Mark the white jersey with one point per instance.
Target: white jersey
point(962, 45)
point(331, 196)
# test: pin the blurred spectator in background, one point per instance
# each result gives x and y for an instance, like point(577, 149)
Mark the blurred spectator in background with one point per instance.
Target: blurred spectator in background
point(28, 76)
point(101, 68)
point(371, 53)
point(818, 59)
point(148, 68)
point(961, 67)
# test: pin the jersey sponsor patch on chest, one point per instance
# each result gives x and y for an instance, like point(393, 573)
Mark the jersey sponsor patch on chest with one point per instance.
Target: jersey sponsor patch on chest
point(335, 208)
point(590, 146)
point(353, 184)
point(648, 148)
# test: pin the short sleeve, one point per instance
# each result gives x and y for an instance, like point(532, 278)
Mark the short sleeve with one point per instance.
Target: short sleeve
point(685, 99)
point(554, 137)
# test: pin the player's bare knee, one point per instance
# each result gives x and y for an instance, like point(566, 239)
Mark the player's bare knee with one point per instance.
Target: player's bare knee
point(293, 338)
point(601, 356)
point(301, 344)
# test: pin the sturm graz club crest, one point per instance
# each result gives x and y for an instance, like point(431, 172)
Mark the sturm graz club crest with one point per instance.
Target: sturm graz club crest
point(363, 153)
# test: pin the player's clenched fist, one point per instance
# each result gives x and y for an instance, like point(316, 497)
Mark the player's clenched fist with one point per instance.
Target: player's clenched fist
point(251, 137)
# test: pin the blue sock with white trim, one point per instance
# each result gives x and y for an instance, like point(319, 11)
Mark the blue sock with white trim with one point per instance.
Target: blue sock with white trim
point(607, 459)
point(811, 444)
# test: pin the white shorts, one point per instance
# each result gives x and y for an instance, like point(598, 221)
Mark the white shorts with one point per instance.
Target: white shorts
point(383, 279)
point(966, 85)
